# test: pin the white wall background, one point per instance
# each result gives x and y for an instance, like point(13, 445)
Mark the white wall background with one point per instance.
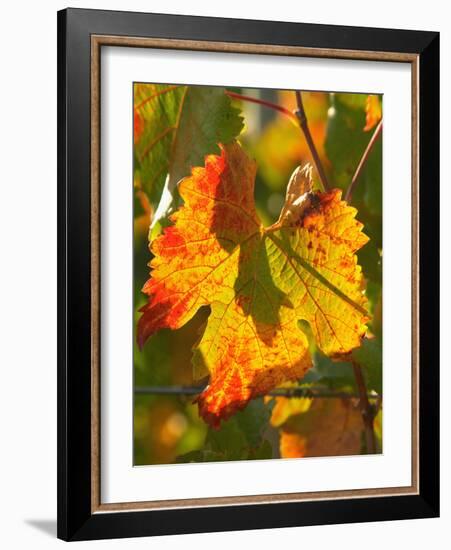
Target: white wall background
point(28, 271)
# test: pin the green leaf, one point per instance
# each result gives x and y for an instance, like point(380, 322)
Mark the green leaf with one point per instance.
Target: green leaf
point(372, 180)
point(244, 431)
point(175, 127)
point(369, 356)
point(333, 374)
point(239, 438)
point(345, 144)
point(345, 139)
point(370, 257)
point(253, 421)
point(229, 441)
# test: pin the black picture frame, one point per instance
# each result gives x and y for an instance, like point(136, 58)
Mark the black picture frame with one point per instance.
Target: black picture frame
point(76, 519)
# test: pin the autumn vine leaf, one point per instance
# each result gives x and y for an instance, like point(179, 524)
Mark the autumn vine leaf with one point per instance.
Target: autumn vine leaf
point(330, 427)
point(259, 282)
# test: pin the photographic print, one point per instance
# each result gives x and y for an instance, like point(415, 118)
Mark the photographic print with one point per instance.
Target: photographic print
point(257, 274)
point(243, 326)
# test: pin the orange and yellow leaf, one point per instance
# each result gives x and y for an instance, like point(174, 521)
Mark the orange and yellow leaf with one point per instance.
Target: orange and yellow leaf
point(259, 282)
point(331, 427)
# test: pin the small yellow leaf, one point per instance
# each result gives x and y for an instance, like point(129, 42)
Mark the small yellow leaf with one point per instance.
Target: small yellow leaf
point(373, 111)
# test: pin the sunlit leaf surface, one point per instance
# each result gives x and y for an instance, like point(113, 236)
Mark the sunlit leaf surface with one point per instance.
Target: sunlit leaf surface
point(259, 282)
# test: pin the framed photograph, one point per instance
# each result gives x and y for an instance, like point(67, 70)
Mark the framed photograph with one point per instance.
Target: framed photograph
point(248, 274)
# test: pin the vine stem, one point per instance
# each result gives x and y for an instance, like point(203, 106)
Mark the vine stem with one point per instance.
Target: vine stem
point(303, 123)
point(377, 132)
point(319, 392)
point(365, 408)
point(269, 104)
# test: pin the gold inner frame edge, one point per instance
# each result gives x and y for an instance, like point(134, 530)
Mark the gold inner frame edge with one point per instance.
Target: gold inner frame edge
point(97, 41)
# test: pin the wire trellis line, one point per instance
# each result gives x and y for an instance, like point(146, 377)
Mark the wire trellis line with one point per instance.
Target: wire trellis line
point(278, 392)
